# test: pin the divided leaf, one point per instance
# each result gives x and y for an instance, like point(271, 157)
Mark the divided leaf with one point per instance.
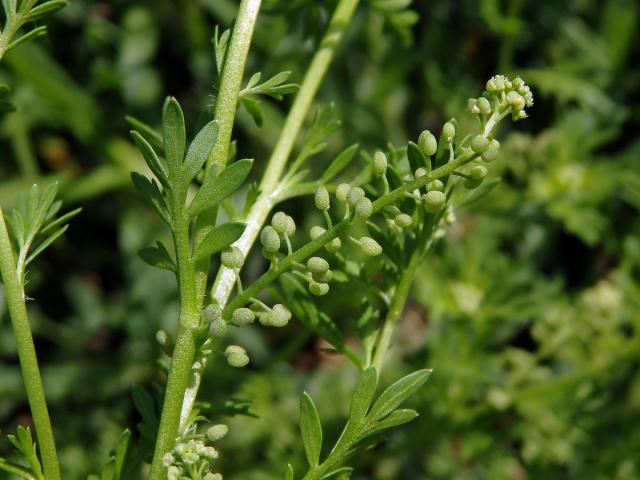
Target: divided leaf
point(311, 429)
point(218, 239)
point(23, 442)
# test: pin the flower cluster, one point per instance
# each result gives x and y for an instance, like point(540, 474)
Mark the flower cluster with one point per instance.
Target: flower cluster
point(503, 95)
point(191, 460)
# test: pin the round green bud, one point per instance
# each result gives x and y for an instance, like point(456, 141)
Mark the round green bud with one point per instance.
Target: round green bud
point(449, 131)
point(370, 247)
point(517, 83)
point(321, 198)
point(291, 227)
point(380, 163)
point(434, 201)
point(436, 186)
point(324, 277)
point(279, 316)
point(472, 106)
point(212, 476)
point(355, 194)
point(316, 231)
point(479, 144)
point(218, 328)
point(279, 222)
point(342, 191)
point(521, 115)
point(484, 106)
point(403, 220)
point(516, 100)
point(333, 246)
point(232, 258)
point(317, 265)
point(216, 432)
point(318, 289)
point(478, 172)
point(364, 208)
point(242, 316)
point(471, 183)
point(427, 143)
point(236, 356)
point(270, 239)
point(234, 349)
point(491, 85)
point(491, 153)
point(499, 82)
point(420, 172)
point(264, 318)
point(212, 312)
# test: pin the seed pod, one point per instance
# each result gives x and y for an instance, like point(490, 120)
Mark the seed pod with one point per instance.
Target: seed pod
point(484, 106)
point(279, 222)
point(324, 277)
point(232, 258)
point(491, 153)
point(364, 208)
point(291, 226)
point(279, 316)
point(242, 316)
point(434, 201)
point(333, 246)
point(322, 198)
point(342, 191)
point(270, 239)
point(427, 143)
point(436, 186)
point(380, 163)
point(316, 231)
point(317, 265)
point(218, 328)
point(478, 172)
point(355, 194)
point(403, 220)
point(449, 131)
point(420, 172)
point(370, 247)
point(212, 312)
point(319, 289)
point(479, 144)
point(216, 432)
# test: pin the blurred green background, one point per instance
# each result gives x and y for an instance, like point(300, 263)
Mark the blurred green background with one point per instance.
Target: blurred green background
point(529, 312)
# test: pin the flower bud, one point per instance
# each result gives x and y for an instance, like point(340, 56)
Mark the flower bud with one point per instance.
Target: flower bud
point(216, 432)
point(516, 100)
point(218, 328)
point(212, 476)
point(316, 231)
point(370, 247)
point(403, 220)
point(317, 265)
point(355, 194)
point(420, 172)
point(333, 246)
point(517, 83)
point(380, 163)
point(324, 277)
point(434, 201)
point(279, 316)
point(472, 106)
point(319, 289)
point(427, 143)
point(491, 153)
point(499, 82)
point(478, 172)
point(449, 131)
point(270, 239)
point(364, 208)
point(322, 198)
point(279, 222)
point(232, 258)
point(484, 106)
point(242, 316)
point(212, 312)
point(236, 356)
point(436, 185)
point(479, 144)
point(342, 191)
point(291, 227)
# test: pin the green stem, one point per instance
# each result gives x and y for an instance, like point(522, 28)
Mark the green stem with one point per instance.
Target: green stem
point(14, 293)
point(13, 24)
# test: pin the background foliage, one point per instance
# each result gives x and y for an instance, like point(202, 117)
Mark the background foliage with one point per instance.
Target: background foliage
point(529, 313)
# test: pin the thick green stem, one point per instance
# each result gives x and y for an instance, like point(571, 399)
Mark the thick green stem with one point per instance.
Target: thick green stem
point(14, 293)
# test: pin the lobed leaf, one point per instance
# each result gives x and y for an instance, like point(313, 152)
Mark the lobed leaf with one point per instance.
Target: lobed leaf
point(311, 429)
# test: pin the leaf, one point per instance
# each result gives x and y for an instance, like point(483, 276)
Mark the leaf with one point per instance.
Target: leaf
point(35, 33)
point(151, 159)
point(199, 150)
point(158, 257)
point(417, 159)
point(363, 395)
point(478, 193)
point(218, 239)
point(151, 193)
point(253, 107)
point(311, 430)
point(220, 46)
point(288, 475)
point(121, 454)
point(60, 220)
point(174, 134)
point(339, 163)
point(395, 419)
point(15, 469)
point(397, 393)
point(216, 188)
point(25, 445)
point(338, 471)
point(149, 133)
point(45, 9)
point(48, 241)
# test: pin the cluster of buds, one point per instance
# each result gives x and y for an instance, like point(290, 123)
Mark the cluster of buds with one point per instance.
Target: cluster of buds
point(282, 227)
point(191, 459)
point(503, 95)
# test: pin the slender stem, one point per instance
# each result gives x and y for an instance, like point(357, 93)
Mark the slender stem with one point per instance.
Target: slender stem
point(14, 293)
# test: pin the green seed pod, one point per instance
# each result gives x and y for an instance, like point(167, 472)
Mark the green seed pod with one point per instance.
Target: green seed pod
point(342, 191)
point(279, 222)
point(491, 153)
point(449, 131)
point(232, 258)
point(370, 247)
point(420, 172)
point(316, 231)
point(216, 432)
point(319, 289)
point(364, 208)
point(427, 143)
point(321, 199)
point(212, 312)
point(242, 316)
point(291, 226)
point(236, 356)
point(479, 144)
point(434, 201)
point(324, 277)
point(218, 328)
point(435, 186)
point(403, 220)
point(478, 172)
point(333, 246)
point(279, 316)
point(355, 194)
point(270, 239)
point(484, 106)
point(380, 163)
point(317, 265)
